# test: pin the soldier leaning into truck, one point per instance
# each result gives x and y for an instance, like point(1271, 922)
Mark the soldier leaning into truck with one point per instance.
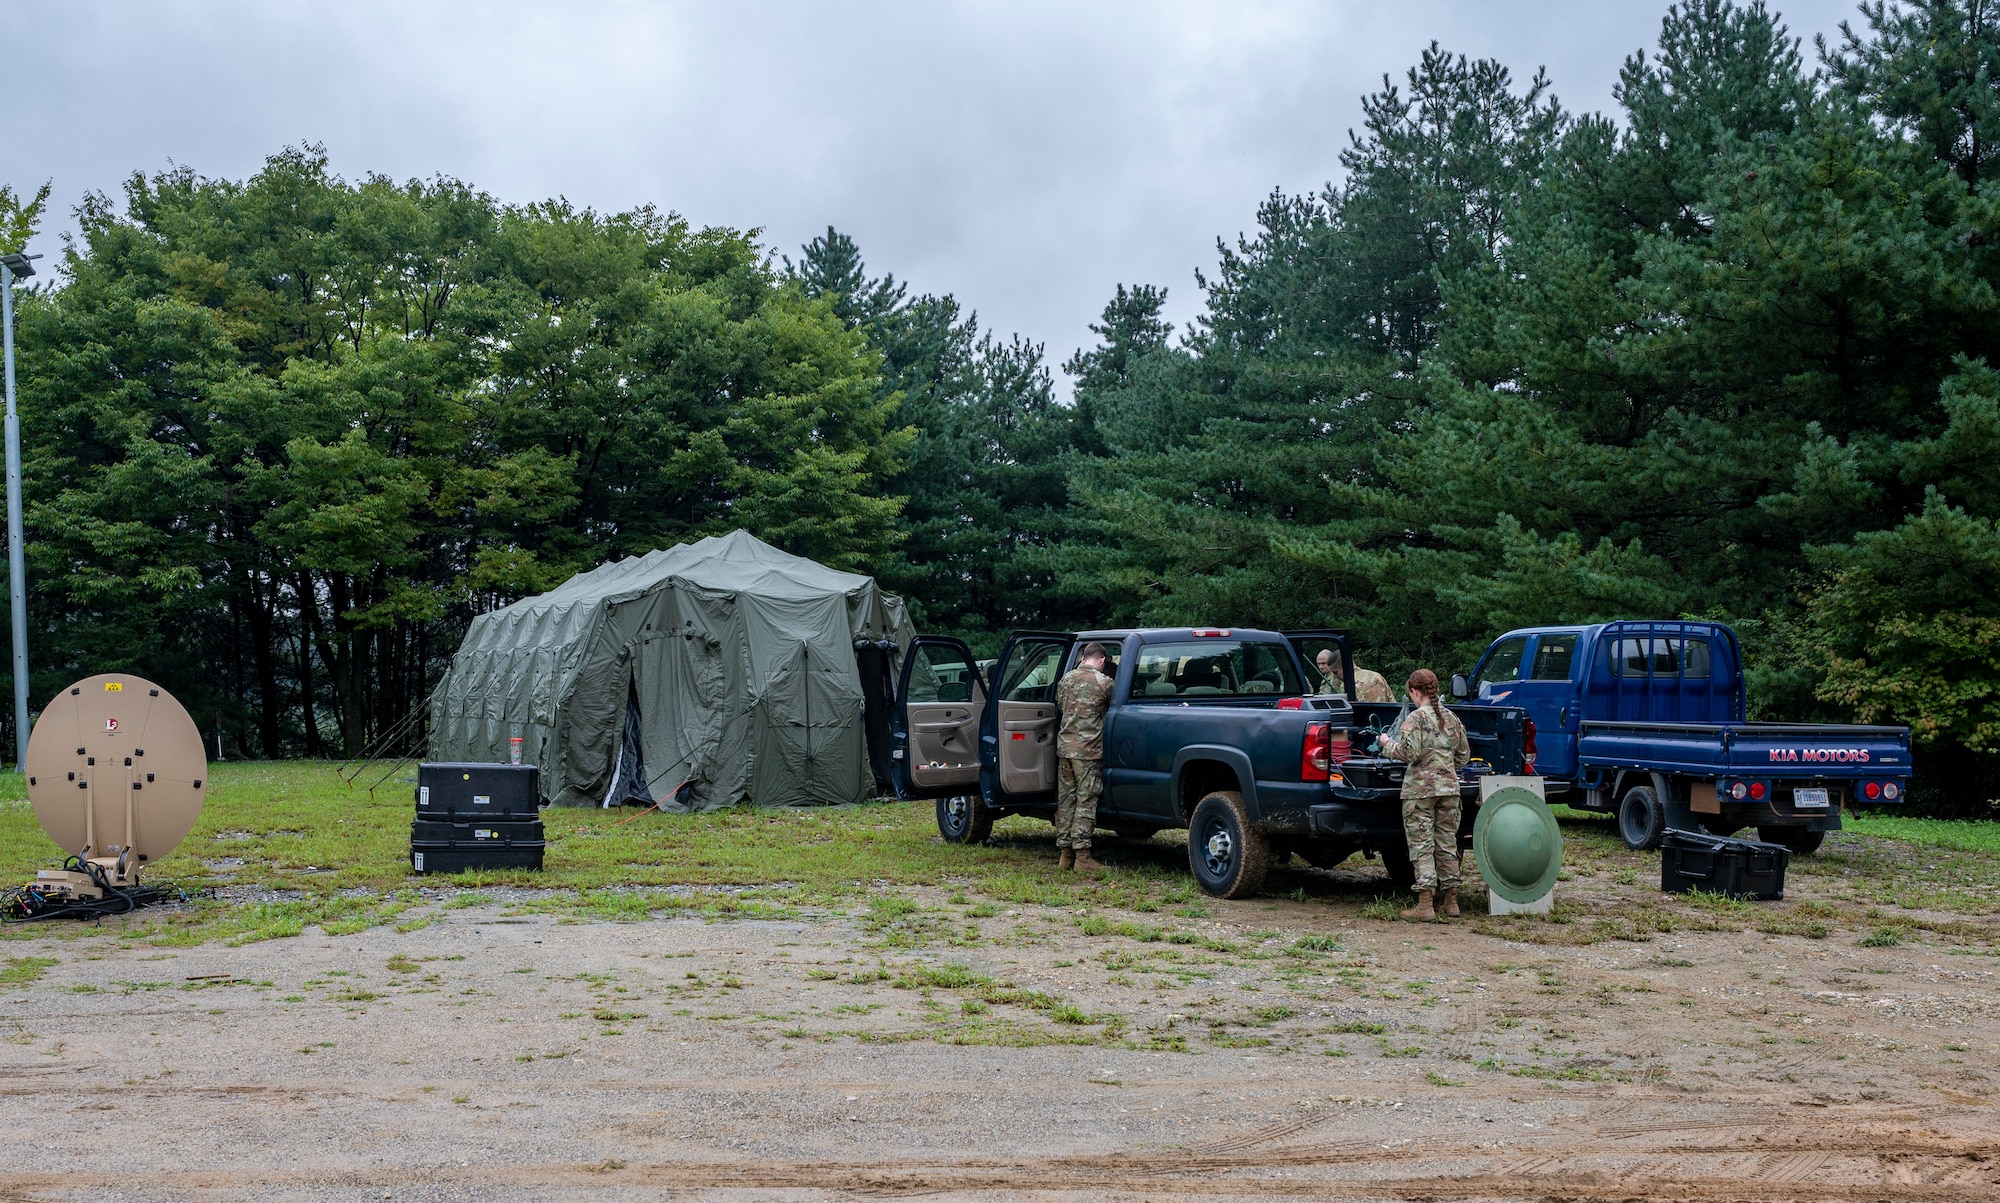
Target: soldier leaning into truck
point(1432, 742)
point(1369, 686)
point(1082, 697)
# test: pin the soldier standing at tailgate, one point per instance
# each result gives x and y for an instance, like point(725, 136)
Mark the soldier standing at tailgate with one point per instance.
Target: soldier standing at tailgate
point(1082, 696)
point(1432, 741)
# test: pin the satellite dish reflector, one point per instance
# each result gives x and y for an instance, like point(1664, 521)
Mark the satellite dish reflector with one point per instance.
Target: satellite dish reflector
point(1518, 844)
point(117, 773)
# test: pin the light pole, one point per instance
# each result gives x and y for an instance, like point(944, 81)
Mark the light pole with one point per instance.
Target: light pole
point(17, 577)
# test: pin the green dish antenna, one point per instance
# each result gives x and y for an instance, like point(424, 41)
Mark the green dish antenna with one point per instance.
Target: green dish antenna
point(1518, 844)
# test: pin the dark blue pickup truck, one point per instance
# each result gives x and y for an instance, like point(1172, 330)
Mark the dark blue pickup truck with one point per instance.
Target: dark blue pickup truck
point(1215, 730)
point(1646, 719)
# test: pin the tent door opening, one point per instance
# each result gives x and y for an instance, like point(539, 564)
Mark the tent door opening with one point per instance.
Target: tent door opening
point(629, 782)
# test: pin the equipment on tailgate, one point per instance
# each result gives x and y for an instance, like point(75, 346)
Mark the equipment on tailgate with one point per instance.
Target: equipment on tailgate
point(116, 773)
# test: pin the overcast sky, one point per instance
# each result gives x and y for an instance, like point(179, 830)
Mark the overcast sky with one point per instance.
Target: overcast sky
point(1026, 157)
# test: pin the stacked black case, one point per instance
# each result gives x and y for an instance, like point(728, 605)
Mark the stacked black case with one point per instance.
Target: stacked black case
point(476, 816)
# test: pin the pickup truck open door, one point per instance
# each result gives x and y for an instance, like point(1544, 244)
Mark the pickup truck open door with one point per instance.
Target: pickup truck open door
point(934, 726)
point(1021, 722)
point(1309, 644)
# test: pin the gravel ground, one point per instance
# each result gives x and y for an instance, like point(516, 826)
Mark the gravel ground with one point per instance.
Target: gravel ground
point(962, 1050)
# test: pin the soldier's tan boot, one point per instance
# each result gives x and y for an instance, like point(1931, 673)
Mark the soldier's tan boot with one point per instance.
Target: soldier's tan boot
point(1067, 860)
point(1422, 912)
point(1447, 904)
point(1086, 863)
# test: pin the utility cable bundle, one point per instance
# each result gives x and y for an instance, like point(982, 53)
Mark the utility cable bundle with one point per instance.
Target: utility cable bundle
point(32, 902)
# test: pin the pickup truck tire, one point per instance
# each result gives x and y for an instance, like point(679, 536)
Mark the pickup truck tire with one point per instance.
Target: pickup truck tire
point(1402, 873)
point(1228, 855)
point(1323, 854)
point(964, 819)
point(1642, 820)
point(1798, 839)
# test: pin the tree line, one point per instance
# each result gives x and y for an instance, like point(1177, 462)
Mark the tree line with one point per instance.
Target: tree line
point(1727, 351)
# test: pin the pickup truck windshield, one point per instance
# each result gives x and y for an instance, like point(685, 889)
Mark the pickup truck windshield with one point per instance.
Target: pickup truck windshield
point(1213, 668)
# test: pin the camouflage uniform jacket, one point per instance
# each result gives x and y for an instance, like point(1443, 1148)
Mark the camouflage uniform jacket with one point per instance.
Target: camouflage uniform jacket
point(1435, 751)
point(1371, 686)
point(1083, 695)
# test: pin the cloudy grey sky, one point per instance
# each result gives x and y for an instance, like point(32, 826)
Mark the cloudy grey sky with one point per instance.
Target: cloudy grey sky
point(1026, 156)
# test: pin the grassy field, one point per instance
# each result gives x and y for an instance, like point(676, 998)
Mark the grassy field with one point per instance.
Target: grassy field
point(297, 847)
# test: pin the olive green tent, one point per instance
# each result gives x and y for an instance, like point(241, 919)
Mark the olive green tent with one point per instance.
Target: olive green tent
point(704, 675)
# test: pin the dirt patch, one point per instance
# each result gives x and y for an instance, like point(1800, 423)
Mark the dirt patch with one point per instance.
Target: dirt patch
point(943, 1043)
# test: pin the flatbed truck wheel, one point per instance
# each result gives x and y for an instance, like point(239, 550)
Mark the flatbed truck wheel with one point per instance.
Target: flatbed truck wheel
point(1642, 819)
point(1801, 840)
point(964, 819)
point(1228, 856)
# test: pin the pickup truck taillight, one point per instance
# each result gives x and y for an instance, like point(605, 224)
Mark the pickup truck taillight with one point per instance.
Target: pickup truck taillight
point(1316, 757)
point(1528, 746)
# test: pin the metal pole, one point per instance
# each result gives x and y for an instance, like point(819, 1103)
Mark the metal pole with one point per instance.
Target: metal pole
point(17, 575)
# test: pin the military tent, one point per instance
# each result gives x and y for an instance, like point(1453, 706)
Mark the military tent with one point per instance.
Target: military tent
point(704, 675)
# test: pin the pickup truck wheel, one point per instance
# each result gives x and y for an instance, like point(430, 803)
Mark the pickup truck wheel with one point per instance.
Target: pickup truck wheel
point(1798, 839)
point(1228, 856)
point(1396, 863)
point(1642, 820)
point(1323, 854)
point(964, 819)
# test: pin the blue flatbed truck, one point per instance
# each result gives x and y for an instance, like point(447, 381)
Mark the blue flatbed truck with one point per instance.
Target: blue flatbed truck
point(1212, 729)
point(1645, 720)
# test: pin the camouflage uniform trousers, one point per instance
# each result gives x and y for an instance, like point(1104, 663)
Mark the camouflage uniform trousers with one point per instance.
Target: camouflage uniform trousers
point(1430, 827)
point(1079, 784)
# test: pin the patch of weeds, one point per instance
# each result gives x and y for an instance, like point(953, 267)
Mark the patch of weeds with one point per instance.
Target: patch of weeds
point(1407, 1050)
point(1225, 1040)
point(1386, 908)
point(1437, 1079)
point(400, 963)
point(1358, 1028)
point(20, 971)
point(1883, 937)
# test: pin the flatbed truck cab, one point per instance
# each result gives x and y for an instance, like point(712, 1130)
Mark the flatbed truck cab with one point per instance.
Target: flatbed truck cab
point(1645, 720)
point(1209, 728)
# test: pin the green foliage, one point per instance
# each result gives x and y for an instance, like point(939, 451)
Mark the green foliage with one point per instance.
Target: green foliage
point(287, 434)
point(20, 219)
point(1728, 354)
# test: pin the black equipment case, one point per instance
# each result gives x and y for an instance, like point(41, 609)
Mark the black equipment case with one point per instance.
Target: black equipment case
point(437, 847)
point(1714, 864)
point(477, 816)
point(478, 791)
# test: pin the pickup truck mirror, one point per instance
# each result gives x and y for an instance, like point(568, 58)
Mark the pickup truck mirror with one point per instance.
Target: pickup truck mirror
point(1458, 689)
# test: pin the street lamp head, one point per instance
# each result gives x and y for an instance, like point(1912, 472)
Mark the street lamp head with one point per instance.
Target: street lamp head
point(20, 264)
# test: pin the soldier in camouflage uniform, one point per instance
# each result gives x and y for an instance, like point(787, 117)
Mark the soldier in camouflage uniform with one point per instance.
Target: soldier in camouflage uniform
point(1082, 696)
point(1369, 686)
point(1432, 741)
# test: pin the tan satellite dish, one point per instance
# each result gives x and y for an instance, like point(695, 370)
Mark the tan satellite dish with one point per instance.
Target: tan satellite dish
point(116, 773)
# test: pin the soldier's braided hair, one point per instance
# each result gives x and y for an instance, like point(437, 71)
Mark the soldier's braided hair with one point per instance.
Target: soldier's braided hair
point(1425, 681)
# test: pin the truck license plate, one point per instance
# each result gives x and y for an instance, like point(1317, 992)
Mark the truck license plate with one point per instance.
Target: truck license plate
point(1809, 799)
